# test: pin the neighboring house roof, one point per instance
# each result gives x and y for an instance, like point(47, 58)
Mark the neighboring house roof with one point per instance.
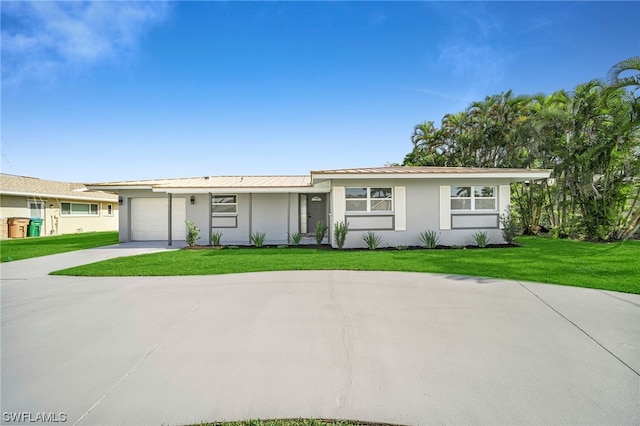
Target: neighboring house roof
point(41, 188)
point(317, 179)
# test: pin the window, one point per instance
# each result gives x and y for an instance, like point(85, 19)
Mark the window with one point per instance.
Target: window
point(109, 209)
point(473, 198)
point(79, 209)
point(369, 199)
point(36, 209)
point(224, 204)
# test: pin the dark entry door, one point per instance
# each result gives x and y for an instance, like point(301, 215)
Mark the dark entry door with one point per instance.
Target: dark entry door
point(317, 211)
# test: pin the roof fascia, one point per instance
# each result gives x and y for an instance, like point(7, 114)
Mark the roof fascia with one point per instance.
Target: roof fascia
point(322, 187)
point(116, 188)
point(514, 177)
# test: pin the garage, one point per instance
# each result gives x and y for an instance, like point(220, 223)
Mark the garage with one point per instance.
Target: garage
point(150, 216)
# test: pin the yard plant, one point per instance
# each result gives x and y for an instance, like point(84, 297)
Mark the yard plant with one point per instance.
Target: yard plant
point(258, 239)
point(216, 236)
point(607, 266)
point(340, 230)
point(371, 240)
point(429, 239)
point(295, 238)
point(481, 238)
point(321, 230)
point(193, 233)
point(510, 227)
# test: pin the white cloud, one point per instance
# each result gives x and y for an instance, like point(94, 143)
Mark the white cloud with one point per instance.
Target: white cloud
point(41, 39)
point(477, 64)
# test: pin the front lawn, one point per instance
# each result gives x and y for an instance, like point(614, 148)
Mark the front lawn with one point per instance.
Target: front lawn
point(25, 248)
point(612, 266)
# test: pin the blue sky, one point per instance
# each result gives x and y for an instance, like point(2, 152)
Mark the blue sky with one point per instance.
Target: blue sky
point(103, 91)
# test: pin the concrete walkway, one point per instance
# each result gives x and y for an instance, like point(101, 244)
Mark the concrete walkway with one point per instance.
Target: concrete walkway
point(402, 348)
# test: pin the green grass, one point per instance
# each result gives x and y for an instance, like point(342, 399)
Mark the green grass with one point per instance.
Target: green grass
point(25, 248)
point(612, 266)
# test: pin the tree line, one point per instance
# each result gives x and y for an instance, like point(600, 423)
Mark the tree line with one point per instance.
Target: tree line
point(589, 138)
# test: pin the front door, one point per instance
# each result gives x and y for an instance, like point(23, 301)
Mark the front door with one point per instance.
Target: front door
point(317, 211)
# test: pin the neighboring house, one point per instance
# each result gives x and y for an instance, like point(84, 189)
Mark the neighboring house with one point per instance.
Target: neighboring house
point(398, 203)
point(65, 208)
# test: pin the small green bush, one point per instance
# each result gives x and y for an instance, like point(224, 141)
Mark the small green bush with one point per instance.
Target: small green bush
point(215, 238)
point(371, 240)
point(510, 227)
point(193, 233)
point(429, 239)
point(258, 239)
point(481, 239)
point(340, 230)
point(321, 230)
point(295, 238)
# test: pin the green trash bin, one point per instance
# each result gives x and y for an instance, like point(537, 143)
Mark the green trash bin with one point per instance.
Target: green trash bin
point(34, 228)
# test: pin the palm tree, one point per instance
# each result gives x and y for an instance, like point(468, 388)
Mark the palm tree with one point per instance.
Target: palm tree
point(631, 64)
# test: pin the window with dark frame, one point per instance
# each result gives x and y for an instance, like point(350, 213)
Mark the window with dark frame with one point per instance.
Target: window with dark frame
point(369, 199)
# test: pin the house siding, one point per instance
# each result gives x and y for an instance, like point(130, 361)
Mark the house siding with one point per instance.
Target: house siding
point(277, 215)
point(419, 204)
point(422, 211)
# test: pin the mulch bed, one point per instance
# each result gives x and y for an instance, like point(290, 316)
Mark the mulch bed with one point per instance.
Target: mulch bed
point(328, 247)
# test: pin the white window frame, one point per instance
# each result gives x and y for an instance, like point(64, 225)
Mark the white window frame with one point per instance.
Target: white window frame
point(472, 198)
point(71, 213)
point(109, 209)
point(213, 203)
point(368, 200)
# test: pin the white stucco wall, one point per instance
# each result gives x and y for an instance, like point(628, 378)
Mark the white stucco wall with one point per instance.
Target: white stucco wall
point(424, 209)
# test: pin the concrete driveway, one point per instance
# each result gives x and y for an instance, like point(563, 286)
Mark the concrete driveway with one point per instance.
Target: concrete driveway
point(402, 348)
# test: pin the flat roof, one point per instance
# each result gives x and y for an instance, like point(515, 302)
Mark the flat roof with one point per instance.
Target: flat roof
point(423, 170)
point(215, 182)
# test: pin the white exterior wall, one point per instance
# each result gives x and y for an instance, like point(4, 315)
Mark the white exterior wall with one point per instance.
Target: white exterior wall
point(419, 204)
point(270, 215)
point(198, 213)
point(425, 208)
point(125, 209)
point(275, 214)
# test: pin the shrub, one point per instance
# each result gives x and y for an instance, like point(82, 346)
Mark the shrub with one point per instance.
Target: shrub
point(481, 239)
point(258, 238)
point(193, 233)
point(321, 230)
point(295, 238)
point(340, 230)
point(429, 239)
point(510, 227)
point(371, 240)
point(215, 238)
